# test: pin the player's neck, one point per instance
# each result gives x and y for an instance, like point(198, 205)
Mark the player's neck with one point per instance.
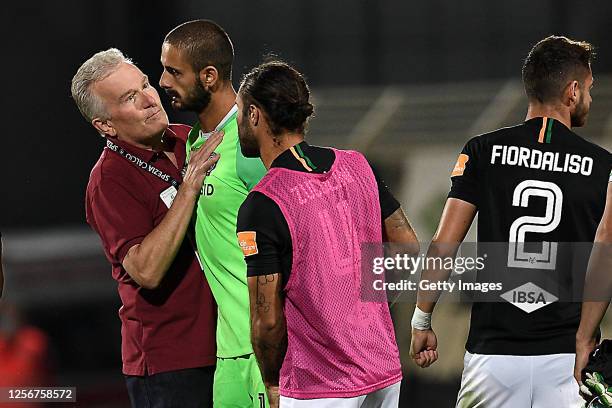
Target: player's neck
point(559, 113)
point(270, 151)
point(221, 102)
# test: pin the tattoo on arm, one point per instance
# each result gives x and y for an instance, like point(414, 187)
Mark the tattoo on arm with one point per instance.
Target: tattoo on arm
point(397, 228)
point(268, 325)
point(262, 305)
point(398, 220)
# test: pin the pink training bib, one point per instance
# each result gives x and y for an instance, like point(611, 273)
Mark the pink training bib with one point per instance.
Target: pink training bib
point(338, 345)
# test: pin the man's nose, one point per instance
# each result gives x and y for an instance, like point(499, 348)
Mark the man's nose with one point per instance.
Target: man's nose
point(163, 80)
point(148, 99)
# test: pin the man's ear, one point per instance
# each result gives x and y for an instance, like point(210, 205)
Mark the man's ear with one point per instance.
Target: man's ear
point(254, 115)
point(209, 77)
point(105, 127)
point(572, 93)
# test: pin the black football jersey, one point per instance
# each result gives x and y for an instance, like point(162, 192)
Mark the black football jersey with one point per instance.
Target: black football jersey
point(540, 189)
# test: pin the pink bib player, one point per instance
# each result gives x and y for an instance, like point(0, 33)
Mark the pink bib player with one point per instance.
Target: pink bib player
point(338, 345)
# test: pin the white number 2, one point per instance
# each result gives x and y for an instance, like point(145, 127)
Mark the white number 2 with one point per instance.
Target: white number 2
point(547, 259)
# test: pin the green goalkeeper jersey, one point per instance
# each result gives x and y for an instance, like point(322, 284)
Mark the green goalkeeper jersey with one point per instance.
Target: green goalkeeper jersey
point(223, 192)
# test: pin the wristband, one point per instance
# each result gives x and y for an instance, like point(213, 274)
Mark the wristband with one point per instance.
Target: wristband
point(421, 320)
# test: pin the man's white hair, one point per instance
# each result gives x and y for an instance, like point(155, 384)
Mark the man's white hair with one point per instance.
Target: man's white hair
point(95, 69)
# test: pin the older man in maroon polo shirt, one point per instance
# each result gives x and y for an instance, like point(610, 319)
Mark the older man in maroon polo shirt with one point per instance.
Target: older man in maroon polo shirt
point(140, 199)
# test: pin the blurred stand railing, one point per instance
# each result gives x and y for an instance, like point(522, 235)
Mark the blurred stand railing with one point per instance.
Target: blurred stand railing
point(387, 122)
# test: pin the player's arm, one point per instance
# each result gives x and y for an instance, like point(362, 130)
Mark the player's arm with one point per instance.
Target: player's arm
point(395, 226)
point(397, 229)
point(597, 285)
point(455, 222)
point(398, 236)
point(456, 219)
point(148, 261)
point(264, 237)
point(268, 328)
point(457, 216)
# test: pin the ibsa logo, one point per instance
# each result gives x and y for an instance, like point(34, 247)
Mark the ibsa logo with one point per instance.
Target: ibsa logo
point(529, 297)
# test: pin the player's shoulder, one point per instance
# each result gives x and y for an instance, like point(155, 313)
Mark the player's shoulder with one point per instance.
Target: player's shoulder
point(353, 155)
point(249, 206)
point(505, 135)
point(499, 135)
point(591, 147)
point(348, 152)
point(254, 210)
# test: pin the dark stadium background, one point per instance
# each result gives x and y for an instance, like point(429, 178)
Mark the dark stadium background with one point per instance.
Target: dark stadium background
point(446, 64)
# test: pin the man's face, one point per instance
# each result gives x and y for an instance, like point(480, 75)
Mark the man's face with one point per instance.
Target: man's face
point(246, 134)
point(136, 113)
point(581, 110)
point(181, 83)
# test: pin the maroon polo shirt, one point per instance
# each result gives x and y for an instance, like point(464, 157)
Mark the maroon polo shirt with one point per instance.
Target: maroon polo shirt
point(171, 327)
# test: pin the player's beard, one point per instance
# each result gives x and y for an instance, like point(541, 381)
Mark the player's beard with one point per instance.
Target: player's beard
point(579, 116)
point(248, 142)
point(196, 100)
